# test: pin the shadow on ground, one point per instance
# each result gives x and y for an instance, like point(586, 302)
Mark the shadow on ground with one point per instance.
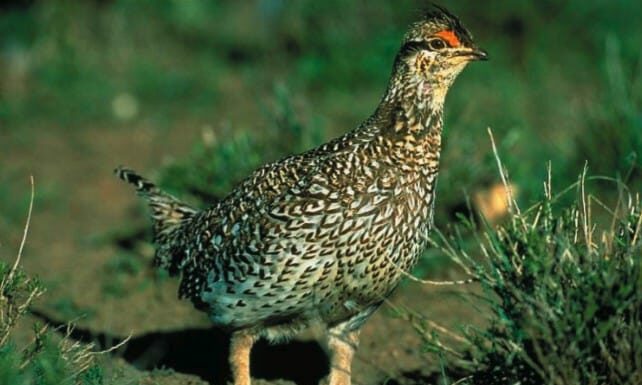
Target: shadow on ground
point(203, 352)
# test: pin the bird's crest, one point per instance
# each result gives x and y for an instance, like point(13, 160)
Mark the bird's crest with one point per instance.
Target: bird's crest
point(452, 29)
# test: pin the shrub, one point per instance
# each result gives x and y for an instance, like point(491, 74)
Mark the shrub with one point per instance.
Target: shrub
point(563, 295)
point(48, 359)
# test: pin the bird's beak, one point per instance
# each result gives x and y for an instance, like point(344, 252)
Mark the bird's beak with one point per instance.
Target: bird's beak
point(473, 53)
point(478, 54)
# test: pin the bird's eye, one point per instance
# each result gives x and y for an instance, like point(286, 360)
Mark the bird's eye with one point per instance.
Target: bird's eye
point(436, 44)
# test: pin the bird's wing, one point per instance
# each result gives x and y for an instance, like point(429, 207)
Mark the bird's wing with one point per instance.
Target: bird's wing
point(215, 240)
point(265, 254)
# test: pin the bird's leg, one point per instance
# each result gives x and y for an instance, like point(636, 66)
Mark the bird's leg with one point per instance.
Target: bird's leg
point(240, 347)
point(342, 346)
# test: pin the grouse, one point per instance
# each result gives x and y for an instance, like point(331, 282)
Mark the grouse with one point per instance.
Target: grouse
point(321, 237)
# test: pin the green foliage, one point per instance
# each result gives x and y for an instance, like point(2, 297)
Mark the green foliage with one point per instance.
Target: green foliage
point(13, 203)
point(126, 272)
point(17, 292)
point(68, 309)
point(613, 137)
point(551, 92)
point(49, 359)
point(563, 296)
point(10, 366)
point(214, 167)
point(211, 170)
point(44, 364)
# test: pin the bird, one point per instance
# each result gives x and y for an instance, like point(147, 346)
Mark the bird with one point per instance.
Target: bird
point(322, 237)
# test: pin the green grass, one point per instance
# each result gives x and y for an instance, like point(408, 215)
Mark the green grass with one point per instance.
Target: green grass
point(68, 309)
point(562, 293)
point(214, 166)
point(50, 358)
point(551, 92)
point(13, 203)
point(124, 272)
point(45, 364)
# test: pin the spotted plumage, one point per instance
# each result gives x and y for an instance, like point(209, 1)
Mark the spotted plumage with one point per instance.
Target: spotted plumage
point(322, 237)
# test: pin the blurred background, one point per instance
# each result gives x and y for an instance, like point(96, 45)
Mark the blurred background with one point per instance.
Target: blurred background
point(198, 93)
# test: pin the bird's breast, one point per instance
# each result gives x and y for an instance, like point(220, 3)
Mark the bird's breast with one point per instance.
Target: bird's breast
point(382, 235)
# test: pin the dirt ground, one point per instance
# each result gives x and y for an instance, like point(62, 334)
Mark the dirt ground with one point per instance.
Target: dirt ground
point(81, 205)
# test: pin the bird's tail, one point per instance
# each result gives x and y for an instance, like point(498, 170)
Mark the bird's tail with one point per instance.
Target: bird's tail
point(167, 213)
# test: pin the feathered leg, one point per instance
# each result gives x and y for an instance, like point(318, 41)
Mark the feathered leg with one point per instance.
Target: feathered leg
point(342, 346)
point(240, 347)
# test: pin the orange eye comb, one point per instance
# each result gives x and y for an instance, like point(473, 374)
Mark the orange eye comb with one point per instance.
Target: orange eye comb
point(449, 37)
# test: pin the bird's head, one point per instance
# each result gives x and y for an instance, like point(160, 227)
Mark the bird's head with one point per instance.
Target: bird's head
point(437, 48)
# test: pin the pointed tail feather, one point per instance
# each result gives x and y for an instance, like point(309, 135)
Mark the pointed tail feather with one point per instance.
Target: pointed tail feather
point(168, 214)
point(143, 185)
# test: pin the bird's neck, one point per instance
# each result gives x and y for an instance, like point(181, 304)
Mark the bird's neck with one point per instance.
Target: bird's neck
point(410, 118)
